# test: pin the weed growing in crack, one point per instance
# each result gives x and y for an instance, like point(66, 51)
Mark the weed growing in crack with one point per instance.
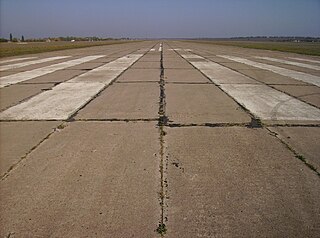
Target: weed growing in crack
point(162, 229)
point(62, 126)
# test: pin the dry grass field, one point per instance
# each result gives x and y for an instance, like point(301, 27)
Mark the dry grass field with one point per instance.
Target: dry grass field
point(306, 48)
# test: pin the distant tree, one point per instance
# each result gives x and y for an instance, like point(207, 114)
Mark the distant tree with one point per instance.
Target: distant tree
point(14, 40)
point(3, 40)
point(22, 38)
point(10, 37)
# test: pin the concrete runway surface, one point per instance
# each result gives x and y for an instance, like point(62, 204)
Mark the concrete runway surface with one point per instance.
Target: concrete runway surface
point(151, 139)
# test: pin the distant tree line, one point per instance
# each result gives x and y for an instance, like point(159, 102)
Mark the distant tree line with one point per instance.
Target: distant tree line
point(270, 38)
point(61, 38)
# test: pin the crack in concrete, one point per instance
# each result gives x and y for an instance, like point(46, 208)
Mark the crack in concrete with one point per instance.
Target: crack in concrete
point(162, 121)
point(15, 165)
point(296, 154)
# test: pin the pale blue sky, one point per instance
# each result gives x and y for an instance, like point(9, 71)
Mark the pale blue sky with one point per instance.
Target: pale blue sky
point(159, 18)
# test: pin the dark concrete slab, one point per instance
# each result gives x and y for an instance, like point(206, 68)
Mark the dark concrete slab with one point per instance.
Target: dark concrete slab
point(132, 75)
point(304, 140)
point(12, 95)
point(18, 138)
point(201, 103)
point(91, 179)
point(124, 101)
point(238, 182)
point(146, 65)
point(310, 94)
point(184, 76)
point(177, 65)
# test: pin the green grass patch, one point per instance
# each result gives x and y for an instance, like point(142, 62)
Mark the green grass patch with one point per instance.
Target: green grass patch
point(13, 49)
point(306, 48)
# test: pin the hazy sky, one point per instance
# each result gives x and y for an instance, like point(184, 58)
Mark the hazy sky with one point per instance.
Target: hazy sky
point(159, 18)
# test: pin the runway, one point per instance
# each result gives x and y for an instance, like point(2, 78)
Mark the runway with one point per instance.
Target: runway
point(121, 140)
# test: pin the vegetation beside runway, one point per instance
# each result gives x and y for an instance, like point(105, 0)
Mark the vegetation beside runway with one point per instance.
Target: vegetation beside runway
point(23, 48)
point(306, 48)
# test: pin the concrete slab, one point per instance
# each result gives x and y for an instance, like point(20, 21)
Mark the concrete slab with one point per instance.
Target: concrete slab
point(17, 59)
point(219, 74)
point(10, 96)
point(18, 138)
point(305, 60)
point(177, 65)
point(304, 140)
point(221, 185)
point(132, 75)
point(307, 78)
point(124, 101)
point(31, 62)
point(27, 75)
point(184, 76)
point(306, 93)
point(87, 66)
point(96, 178)
point(146, 65)
point(308, 66)
point(201, 103)
point(56, 77)
point(271, 105)
point(289, 67)
point(237, 66)
point(150, 58)
point(57, 104)
point(268, 77)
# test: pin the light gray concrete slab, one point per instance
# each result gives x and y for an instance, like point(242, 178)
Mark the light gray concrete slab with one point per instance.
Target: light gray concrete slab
point(237, 182)
point(12, 95)
point(289, 66)
point(308, 78)
point(304, 140)
point(132, 75)
point(220, 74)
point(19, 65)
point(57, 104)
point(201, 103)
point(27, 75)
point(91, 179)
point(108, 72)
point(17, 59)
point(237, 66)
point(270, 104)
point(268, 77)
point(308, 66)
point(310, 94)
point(184, 76)
point(124, 101)
point(18, 138)
point(306, 60)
